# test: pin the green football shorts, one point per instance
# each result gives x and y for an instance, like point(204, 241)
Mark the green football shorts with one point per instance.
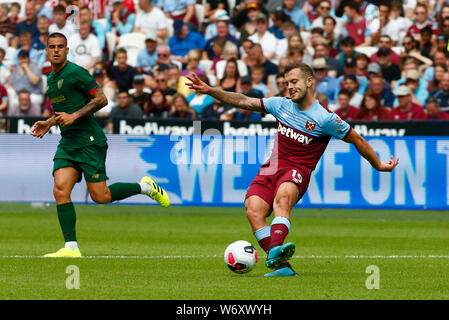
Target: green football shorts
point(89, 160)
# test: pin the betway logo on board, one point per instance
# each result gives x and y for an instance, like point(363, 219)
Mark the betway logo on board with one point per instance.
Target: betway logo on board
point(294, 135)
point(154, 128)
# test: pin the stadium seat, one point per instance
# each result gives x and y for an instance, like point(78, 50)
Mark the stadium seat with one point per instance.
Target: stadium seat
point(110, 40)
point(398, 50)
point(369, 51)
point(220, 67)
point(199, 13)
point(207, 66)
point(178, 64)
point(231, 5)
point(104, 23)
point(170, 31)
point(133, 43)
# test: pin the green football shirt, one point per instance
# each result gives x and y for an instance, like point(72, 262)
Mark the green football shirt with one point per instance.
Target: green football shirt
point(69, 90)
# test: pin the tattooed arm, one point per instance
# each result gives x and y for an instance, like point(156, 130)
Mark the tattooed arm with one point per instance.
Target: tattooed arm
point(98, 101)
point(231, 98)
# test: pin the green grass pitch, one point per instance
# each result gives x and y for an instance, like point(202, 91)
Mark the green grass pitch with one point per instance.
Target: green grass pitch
point(147, 252)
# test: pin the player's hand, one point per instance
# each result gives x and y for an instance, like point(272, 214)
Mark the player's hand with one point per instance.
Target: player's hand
point(65, 119)
point(197, 85)
point(40, 128)
point(388, 166)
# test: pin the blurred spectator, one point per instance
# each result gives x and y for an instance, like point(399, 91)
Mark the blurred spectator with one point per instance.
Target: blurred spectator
point(25, 42)
point(257, 76)
point(199, 101)
point(178, 82)
point(288, 29)
point(231, 77)
point(184, 40)
point(383, 25)
point(263, 37)
point(426, 43)
point(249, 27)
point(214, 111)
point(193, 63)
point(122, 74)
point(163, 55)
point(40, 42)
point(361, 63)
point(14, 12)
point(433, 111)
point(344, 110)
point(406, 110)
point(96, 27)
point(278, 17)
point(322, 50)
point(84, 46)
point(390, 71)
point(422, 21)
point(385, 41)
point(441, 43)
point(222, 33)
point(24, 107)
point(212, 7)
point(181, 109)
point(44, 8)
point(248, 115)
point(158, 107)
point(146, 58)
point(356, 26)
point(330, 35)
point(296, 15)
point(442, 94)
point(60, 23)
point(398, 17)
point(30, 23)
point(27, 75)
point(322, 99)
point(125, 109)
point(7, 26)
point(3, 101)
point(151, 19)
point(440, 69)
point(139, 96)
point(347, 50)
point(410, 74)
point(371, 108)
point(4, 71)
point(108, 90)
point(161, 78)
point(219, 15)
point(270, 69)
point(361, 81)
point(350, 84)
point(183, 10)
point(247, 88)
point(47, 108)
point(410, 45)
point(378, 86)
point(240, 15)
point(325, 84)
point(218, 49)
point(281, 84)
point(121, 19)
point(444, 30)
point(325, 11)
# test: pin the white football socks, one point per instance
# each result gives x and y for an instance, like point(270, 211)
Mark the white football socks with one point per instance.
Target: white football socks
point(145, 187)
point(72, 245)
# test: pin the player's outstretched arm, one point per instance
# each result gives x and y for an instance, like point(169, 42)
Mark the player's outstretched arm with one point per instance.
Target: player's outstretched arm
point(97, 102)
point(366, 151)
point(230, 98)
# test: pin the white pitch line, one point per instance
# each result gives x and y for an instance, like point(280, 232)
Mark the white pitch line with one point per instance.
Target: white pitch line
point(220, 256)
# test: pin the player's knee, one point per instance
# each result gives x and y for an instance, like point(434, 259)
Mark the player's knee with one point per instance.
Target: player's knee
point(282, 202)
point(99, 198)
point(253, 213)
point(60, 193)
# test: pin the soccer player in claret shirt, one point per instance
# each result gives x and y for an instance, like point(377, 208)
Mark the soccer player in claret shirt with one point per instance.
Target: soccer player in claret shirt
point(304, 130)
point(75, 97)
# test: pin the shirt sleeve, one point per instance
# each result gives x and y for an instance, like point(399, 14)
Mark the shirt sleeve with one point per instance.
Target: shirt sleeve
point(336, 127)
point(272, 105)
point(86, 82)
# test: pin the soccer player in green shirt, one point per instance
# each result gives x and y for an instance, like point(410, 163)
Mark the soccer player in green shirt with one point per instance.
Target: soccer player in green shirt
point(75, 97)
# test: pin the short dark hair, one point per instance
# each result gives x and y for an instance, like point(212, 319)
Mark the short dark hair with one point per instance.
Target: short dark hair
point(344, 92)
point(120, 50)
point(330, 18)
point(56, 35)
point(24, 54)
point(347, 41)
point(306, 70)
point(432, 99)
point(124, 91)
point(23, 91)
point(352, 5)
point(59, 8)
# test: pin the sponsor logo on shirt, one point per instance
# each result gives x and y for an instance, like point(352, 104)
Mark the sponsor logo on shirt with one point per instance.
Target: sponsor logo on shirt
point(57, 99)
point(294, 135)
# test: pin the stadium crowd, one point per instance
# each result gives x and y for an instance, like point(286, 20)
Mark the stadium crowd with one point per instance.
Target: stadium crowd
point(372, 62)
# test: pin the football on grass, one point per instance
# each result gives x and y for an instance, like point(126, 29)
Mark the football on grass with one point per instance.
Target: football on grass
point(240, 256)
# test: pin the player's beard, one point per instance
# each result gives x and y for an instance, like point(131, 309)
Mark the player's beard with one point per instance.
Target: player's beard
point(301, 98)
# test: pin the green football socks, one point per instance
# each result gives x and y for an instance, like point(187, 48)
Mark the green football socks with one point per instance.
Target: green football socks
point(121, 190)
point(67, 220)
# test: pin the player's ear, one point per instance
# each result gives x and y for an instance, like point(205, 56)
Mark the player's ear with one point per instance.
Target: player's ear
point(310, 81)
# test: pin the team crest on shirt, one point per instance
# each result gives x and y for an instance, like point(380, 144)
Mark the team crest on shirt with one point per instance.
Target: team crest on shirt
point(59, 83)
point(310, 125)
